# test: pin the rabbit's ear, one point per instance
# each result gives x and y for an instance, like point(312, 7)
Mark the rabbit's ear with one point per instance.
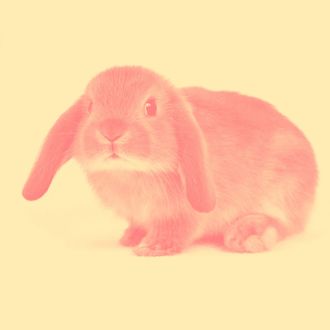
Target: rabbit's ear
point(192, 157)
point(56, 150)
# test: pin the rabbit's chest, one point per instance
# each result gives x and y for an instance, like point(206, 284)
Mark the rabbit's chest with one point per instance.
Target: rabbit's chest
point(131, 201)
point(138, 198)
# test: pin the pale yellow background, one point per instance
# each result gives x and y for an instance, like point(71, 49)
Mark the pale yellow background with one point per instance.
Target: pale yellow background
point(60, 267)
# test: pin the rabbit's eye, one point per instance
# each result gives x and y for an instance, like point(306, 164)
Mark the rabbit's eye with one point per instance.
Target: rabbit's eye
point(150, 108)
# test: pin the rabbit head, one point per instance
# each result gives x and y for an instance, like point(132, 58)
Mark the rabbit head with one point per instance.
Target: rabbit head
point(129, 119)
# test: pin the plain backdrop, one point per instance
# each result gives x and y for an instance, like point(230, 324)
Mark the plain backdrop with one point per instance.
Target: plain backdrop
point(60, 264)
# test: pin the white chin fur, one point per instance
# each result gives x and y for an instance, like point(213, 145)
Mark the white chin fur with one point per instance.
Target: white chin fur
point(110, 164)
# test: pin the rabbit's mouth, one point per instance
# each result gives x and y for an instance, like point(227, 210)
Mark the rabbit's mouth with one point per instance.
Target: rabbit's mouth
point(112, 161)
point(113, 156)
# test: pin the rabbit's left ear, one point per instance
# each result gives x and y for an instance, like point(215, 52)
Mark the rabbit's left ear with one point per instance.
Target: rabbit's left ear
point(192, 157)
point(56, 150)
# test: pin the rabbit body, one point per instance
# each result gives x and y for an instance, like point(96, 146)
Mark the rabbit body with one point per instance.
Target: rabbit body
point(229, 169)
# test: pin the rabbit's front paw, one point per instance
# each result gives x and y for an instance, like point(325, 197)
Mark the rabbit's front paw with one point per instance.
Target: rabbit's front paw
point(132, 236)
point(166, 238)
point(252, 233)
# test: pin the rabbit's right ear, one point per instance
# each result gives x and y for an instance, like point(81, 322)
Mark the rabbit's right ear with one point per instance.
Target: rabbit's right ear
point(56, 150)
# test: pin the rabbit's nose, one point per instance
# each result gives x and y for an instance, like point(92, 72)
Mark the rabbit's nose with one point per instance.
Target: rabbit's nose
point(112, 129)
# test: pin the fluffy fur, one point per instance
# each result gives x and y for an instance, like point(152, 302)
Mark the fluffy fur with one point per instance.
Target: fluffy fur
point(209, 166)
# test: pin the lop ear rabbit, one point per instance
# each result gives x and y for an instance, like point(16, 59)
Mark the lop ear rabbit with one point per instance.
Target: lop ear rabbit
point(183, 165)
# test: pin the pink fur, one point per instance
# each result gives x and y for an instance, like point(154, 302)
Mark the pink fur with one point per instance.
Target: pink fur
point(56, 150)
point(208, 165)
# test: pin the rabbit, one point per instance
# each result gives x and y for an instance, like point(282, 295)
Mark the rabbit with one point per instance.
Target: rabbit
point(183, 165)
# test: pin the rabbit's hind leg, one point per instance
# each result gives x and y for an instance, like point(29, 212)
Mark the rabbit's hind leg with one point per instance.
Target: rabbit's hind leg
point(252, 233)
